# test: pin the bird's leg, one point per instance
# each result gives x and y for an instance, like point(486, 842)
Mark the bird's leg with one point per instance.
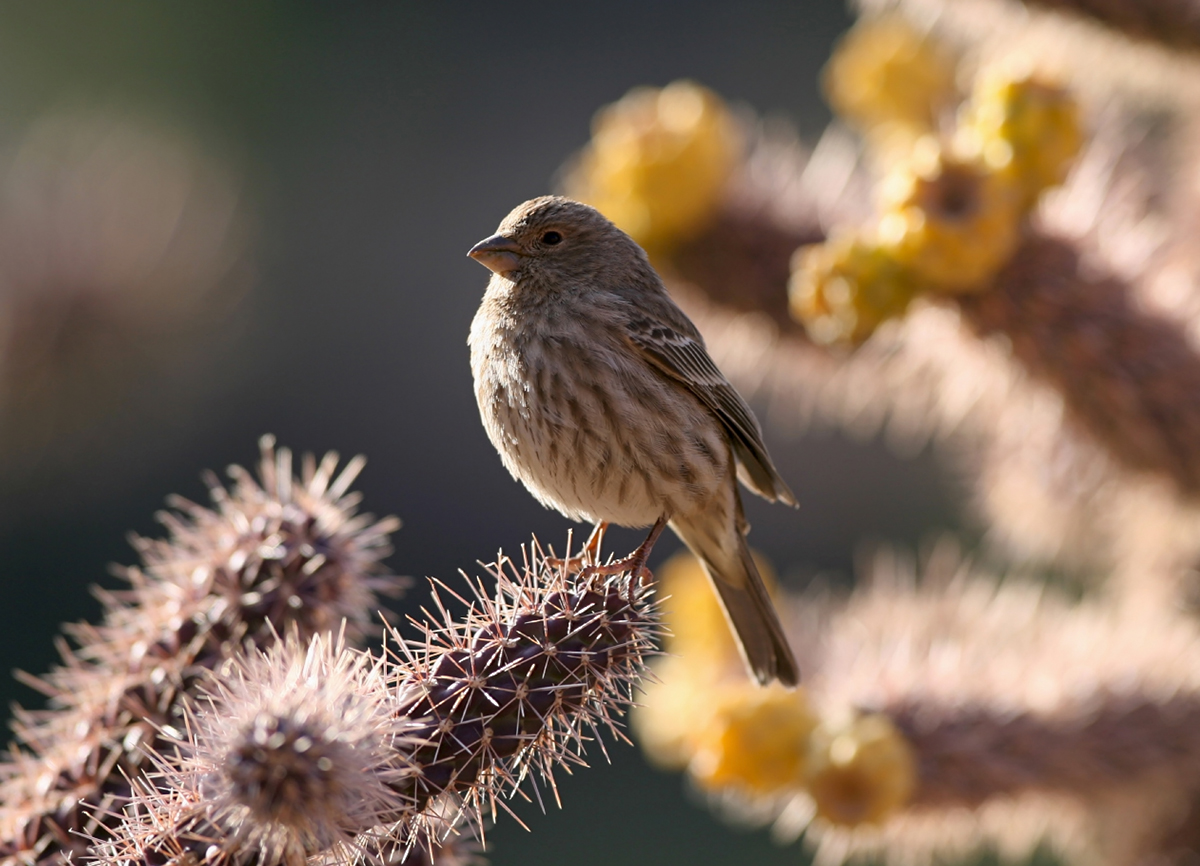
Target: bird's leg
point(634, 564)
point(590, 552)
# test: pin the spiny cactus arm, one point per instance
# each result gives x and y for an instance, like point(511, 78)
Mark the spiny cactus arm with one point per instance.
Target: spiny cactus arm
point(504, 693)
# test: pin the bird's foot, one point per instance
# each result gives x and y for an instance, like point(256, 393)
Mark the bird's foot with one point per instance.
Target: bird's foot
point(634, 565)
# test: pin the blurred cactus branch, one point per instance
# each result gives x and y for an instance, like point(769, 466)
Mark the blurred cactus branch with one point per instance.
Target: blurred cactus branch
point(931, 695)
point(125, 244)
point(1174, 23)
point(1129, 376)
point(742, 260)
point(974, 753)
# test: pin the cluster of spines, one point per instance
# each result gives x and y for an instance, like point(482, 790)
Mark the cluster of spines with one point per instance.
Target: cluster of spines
point(288, 550)
point(509, 691)
point(525, 679)
point(274, 556)
point(289, 754)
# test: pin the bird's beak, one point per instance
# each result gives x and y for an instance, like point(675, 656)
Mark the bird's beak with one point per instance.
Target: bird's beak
point(498, 253)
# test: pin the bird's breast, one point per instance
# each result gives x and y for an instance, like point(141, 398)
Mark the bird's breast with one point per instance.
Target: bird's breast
point(587, 425)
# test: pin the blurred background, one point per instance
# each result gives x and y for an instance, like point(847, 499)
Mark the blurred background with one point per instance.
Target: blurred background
point(220, 220)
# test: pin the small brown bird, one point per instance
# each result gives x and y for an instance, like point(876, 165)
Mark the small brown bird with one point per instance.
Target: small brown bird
point(601, 398)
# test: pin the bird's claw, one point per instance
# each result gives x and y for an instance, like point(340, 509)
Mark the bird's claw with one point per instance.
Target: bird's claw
point(569, 565)
point(639, 573)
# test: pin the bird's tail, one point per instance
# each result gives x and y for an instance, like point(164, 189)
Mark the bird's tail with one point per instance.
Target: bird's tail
point(748, 607)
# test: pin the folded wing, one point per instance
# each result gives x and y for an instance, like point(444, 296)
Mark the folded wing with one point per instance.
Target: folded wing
point(682, 356)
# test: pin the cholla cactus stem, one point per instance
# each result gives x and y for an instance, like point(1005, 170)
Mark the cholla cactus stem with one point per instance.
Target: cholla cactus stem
point(512, 689)
point(515, 687)
point(1131, 377)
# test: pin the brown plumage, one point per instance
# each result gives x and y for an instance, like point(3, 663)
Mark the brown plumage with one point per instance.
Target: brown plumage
point(601, 398)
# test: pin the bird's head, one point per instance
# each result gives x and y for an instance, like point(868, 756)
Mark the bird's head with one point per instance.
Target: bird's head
point(556, 242)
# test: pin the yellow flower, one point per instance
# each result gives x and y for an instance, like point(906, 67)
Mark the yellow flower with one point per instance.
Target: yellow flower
point(1025, 126)
point(658, 162)
point(886, 73)
point(696, 626)
point(756, 740)
point(953, 222)
point(702, 663)
point(860, 771)
point(674, 711)
point(843, 289)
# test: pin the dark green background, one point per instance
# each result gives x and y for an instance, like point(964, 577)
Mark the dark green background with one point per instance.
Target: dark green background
point(376, 143)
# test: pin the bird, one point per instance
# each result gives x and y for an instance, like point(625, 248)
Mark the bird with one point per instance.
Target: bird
point(601, 398)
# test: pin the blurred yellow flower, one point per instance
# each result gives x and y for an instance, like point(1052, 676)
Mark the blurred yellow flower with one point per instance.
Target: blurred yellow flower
point(674, 711)
point(885, 73)
point(842, 290)
point(953, 222)
point(1024, 126)
point(701, 664)
point(756, 740)
point(658, 162)
point(696, 625)
point(860, 771)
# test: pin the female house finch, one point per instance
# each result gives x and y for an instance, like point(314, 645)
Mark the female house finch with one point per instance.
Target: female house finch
point(601, 398)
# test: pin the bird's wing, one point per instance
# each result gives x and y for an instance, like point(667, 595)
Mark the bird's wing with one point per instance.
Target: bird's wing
point(678, 351)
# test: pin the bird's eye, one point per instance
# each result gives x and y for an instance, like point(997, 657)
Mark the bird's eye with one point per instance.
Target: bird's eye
point(551, 238)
